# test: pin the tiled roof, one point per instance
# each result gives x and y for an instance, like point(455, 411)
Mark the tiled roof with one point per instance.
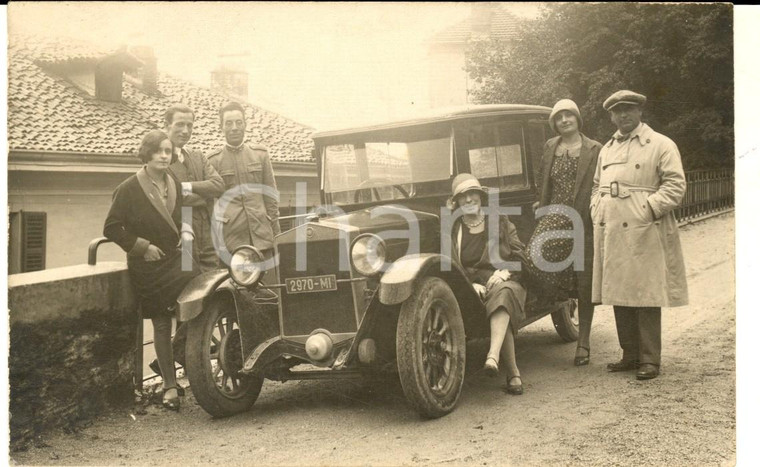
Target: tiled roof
point(46, 52)
point(503, 26)
point(48, 113)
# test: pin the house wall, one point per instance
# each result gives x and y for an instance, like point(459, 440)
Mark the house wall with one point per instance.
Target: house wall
point(77, 203)
point(448, 80)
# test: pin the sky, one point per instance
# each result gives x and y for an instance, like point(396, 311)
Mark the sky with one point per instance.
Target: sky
point(324, 65)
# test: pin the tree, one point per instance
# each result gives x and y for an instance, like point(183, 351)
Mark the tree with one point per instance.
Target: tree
point(679, 55)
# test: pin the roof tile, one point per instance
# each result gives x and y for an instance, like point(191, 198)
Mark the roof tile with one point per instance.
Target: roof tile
point(47, 113)
point(503, 26)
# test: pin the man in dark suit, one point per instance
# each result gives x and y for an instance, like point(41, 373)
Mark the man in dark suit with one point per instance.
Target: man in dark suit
point(200, 182)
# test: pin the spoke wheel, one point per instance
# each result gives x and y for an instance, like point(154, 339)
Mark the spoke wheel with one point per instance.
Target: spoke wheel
point(437, 348)
point(214, 358)
point(430, 348)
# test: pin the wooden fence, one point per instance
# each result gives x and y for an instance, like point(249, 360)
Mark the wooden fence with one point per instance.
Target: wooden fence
point(706, 191)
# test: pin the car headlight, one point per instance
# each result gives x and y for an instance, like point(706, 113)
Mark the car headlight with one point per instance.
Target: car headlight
point(368, 254)
point(246, 265)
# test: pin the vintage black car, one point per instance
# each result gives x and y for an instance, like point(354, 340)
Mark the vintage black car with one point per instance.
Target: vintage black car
point(351, 291)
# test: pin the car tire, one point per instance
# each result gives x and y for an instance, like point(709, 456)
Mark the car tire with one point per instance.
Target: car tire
point(213, 377)
point(565, 320)
point(430, 348)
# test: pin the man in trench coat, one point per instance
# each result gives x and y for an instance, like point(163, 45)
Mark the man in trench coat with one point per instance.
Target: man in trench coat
point(638, 263)
point(248, 212)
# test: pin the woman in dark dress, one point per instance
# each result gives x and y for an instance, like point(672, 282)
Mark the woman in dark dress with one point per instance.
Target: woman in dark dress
point(568, 167)
point(145, 221)
point(500, 289)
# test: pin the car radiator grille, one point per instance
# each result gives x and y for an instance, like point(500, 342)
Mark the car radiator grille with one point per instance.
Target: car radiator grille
point(331, 310)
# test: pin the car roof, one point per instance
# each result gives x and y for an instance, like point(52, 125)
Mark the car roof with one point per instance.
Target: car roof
point(440, 115)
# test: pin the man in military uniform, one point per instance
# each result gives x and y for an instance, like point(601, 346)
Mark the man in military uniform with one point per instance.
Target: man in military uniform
point(200, 185)
point(248, 212)
point(638, 264)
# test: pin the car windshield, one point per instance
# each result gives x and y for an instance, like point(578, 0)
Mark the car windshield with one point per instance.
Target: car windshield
point(379, 169)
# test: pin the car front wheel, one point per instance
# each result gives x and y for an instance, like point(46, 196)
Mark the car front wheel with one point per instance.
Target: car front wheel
point(214, 357)
point(430, 348)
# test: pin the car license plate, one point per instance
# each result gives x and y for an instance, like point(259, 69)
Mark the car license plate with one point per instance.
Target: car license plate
point(311, 284)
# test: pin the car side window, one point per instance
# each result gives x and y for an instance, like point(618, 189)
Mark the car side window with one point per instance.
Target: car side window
point(497, 155)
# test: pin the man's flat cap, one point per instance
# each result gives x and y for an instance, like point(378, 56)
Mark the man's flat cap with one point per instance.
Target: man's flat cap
point(624, 97)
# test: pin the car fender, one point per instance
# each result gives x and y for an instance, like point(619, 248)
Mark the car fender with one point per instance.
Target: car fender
point(190, 300)
point(398, 282)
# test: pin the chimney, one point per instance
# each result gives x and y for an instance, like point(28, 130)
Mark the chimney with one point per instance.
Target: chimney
point(230, 76)
point(108, 82)
point(480, 22)
point(148, 73)
point(109, 74)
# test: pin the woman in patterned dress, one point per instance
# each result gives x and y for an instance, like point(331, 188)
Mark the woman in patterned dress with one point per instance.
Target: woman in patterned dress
point(568, 166)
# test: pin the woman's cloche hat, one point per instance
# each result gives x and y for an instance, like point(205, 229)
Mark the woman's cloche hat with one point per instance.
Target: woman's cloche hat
point(565, 104)
point(463, 183)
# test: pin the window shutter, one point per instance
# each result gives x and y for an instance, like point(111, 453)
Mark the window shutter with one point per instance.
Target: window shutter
point(33, 233)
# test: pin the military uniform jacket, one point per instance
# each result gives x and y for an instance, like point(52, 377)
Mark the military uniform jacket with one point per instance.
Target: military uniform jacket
point(637, 251)
point(206, 185)
point(247, 214)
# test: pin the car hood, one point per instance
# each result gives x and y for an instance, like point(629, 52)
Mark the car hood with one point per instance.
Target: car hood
point(382, 218)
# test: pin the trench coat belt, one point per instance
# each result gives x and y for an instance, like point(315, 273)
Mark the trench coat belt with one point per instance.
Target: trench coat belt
point(623, 190)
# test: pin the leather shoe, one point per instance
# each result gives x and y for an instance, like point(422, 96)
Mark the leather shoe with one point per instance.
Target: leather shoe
point(647, 371)
point(491, 367)
point(623, 365)
point(514, 389)
point(171, 404)
point(157, 370)
point(584, 360)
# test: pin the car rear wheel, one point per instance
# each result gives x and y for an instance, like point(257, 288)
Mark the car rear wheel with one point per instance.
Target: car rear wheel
point(565, 320)
point(214, 357)
point(430, 348)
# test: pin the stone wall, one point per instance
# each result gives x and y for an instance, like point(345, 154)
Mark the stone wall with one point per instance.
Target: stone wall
point(72, 344)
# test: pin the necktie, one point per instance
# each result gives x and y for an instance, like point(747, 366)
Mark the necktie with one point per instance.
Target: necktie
point(180, 156)
point(622, 138)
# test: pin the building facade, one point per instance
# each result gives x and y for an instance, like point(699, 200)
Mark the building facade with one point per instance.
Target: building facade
point(448, 83)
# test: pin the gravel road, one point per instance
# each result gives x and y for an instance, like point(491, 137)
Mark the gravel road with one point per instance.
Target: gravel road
point(567, 416)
